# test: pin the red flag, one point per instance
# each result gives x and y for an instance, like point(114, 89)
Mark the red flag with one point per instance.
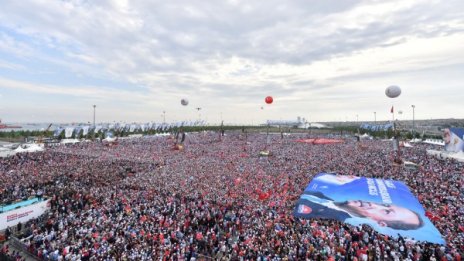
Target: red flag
point(428, 214)
point(263, 196)
point(391, 111)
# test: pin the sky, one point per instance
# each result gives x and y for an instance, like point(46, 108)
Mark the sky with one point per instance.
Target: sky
point(325, 60)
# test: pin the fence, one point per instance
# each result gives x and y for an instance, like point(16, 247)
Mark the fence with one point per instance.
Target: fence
point(24, 250)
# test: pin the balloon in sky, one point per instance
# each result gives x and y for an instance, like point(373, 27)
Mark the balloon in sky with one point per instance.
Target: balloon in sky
point(393, 91)
point(269, 99)
point(184, 102)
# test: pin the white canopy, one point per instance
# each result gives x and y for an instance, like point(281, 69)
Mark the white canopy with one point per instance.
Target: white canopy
point(29, 148)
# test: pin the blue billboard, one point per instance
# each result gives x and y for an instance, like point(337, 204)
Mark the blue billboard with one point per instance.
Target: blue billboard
point(454, 139)
point(386, 205)
point(375, 127)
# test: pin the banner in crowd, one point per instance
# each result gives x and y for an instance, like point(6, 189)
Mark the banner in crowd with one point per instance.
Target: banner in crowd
point(320, 141)
point(85, 130)
point(386, 205)
point(376, 127)
point(23, 214)
point(68, 132)
point(454, 139)
point(57, 132)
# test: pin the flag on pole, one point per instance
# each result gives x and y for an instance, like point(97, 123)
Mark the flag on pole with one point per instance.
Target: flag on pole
point(391, 111)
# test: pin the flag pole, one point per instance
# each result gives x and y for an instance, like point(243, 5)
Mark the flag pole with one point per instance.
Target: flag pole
point(393, 113)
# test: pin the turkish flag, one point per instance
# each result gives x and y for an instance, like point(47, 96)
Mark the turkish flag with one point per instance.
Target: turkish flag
point(263, 196)
point(391, 111)
point(461, 228)
point(428, 214)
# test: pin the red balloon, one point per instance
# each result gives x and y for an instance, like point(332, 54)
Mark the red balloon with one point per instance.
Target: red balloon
point(269, 99)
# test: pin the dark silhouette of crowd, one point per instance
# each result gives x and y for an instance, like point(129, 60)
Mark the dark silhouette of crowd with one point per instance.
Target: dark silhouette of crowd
point(139, 199)
point(10, 255)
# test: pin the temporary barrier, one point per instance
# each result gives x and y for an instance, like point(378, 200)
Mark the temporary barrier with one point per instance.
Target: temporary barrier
point(23, 214)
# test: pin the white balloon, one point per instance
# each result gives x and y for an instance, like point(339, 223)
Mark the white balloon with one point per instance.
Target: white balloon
point(184, 102)
point(393, 91)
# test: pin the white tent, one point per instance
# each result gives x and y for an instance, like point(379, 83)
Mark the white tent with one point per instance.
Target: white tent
point(67, 141)
point(407, 145)
point(435, 142)
point(29, 148)
point(365, 136)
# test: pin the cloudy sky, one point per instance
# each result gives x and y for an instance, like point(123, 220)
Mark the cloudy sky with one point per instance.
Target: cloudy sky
point(323, 60)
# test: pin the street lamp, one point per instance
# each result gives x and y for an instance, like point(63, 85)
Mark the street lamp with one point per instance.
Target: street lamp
point(199, 114)
point(413, 125)
point(94, 106)
point(375, 117)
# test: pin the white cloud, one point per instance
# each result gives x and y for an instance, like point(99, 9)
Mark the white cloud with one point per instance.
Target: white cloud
point(327, 52)
point(86, 92)
point(11, 66)
point(9, 45)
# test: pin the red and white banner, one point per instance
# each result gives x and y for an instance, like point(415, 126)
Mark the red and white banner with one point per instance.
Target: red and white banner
point(23, 214)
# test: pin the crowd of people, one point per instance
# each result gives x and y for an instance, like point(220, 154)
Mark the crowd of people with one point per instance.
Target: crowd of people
point(140, 199)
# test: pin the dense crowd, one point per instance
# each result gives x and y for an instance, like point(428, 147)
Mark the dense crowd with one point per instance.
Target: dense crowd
point(139, 199)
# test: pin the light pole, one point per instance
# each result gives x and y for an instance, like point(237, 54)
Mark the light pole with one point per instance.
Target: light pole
point(94, 106)
point(413, 125)
point(199, 114)
point(357, 118)
point(375, 117)
point(164, 117)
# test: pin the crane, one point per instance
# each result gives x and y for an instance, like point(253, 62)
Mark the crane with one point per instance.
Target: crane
point(40, 139)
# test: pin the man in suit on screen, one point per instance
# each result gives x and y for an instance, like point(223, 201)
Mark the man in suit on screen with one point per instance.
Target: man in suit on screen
point(314, 204)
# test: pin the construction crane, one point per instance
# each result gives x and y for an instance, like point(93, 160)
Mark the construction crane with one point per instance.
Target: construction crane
point(40, 139)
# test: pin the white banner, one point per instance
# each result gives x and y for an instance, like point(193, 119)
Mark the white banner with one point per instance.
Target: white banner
point(85, 130)
point(23, 214)
point(69, 132)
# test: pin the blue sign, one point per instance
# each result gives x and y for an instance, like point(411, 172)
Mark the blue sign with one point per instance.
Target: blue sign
point(372, 127)
point(386, 205)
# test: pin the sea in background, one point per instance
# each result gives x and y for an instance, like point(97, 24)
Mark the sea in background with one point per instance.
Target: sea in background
point(32, 126)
